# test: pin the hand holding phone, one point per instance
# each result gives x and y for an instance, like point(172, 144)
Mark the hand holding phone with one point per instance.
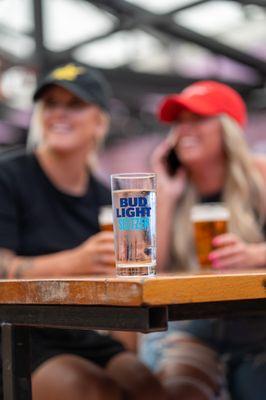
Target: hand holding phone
point(165, 163)
point(172, 162)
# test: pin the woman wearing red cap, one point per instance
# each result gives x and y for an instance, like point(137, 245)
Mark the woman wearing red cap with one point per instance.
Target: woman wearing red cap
point(49, 205)
point(211, 164)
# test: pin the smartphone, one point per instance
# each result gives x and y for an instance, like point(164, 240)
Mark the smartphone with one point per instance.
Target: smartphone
point(172, 162)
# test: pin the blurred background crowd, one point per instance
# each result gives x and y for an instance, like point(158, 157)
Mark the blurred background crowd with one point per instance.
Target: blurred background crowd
point(145, 48)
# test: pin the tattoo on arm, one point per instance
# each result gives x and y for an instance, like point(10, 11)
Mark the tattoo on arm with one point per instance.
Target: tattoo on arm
point(7, 267)
point(22, 267)
point(6, 257)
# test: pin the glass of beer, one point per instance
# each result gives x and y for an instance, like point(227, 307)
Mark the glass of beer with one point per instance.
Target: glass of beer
point(209, 220)
point(134, 211)
point(106, 218)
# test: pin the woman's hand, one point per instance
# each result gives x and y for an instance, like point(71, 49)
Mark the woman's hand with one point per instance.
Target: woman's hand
point(170, 186)
point(96, 255)
point(232, 252)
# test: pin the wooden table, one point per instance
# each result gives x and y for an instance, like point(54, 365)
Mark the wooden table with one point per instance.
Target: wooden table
point(137, 304)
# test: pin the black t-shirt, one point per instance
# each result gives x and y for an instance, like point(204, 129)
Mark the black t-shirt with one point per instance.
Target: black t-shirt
point(36, 219)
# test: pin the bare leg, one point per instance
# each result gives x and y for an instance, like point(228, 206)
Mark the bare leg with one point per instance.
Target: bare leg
point(136, 379)
point(183, 391)
point(128, 339)
point(191, 371)
point(69, 377)
point(185, 384)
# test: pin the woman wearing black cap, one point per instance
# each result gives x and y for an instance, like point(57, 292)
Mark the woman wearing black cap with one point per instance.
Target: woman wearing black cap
point(49, 203)
point(205, 159)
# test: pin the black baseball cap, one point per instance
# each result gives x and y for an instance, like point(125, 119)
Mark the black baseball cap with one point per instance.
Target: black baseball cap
point(82, 81)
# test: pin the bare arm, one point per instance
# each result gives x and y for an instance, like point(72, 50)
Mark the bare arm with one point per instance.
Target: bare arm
point(94, 256)
point(230, 251)
point(260, 163)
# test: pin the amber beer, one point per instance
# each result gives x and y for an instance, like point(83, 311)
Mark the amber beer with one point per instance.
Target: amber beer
point(209, 220)
point(106, 218)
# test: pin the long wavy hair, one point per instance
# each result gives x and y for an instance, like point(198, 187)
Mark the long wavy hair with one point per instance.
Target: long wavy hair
point(243, 193)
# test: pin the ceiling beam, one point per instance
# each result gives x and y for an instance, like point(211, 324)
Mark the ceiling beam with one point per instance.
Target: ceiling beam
point(68, 52)
point(185, 7)
point(11, 59)
point(122, 78)
point(166, 25)
point(179, 32)
point(38, 34)
point(6, 30)
point(261, 3)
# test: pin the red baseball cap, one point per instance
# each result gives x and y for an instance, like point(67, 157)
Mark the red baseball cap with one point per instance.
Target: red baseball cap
point(205, 98)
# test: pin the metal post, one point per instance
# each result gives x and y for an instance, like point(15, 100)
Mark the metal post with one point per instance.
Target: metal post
point(16, 362)
point(41, 53)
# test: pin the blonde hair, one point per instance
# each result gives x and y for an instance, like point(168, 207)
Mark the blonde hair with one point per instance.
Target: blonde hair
point(35, 135)
point(243, 193)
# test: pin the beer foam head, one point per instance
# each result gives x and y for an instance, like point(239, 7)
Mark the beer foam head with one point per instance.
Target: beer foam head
point(209, 212)
point(106, 215)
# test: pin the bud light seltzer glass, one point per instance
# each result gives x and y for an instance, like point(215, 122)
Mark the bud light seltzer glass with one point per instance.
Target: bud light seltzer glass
point(134, 208)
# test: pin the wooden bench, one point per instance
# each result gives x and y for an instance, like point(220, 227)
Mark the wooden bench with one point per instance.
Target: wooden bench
point(136, 304)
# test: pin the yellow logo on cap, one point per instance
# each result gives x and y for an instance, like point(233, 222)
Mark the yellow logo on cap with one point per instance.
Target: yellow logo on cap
point(69, 72)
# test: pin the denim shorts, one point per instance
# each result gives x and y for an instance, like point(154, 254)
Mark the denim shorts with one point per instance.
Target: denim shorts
point(240, 343)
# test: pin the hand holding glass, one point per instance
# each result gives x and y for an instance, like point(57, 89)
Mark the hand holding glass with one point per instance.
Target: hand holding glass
point(209, 220)
point(106, 218)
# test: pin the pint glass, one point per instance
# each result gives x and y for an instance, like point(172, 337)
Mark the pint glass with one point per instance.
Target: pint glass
point(209, 220)
point(106, 218)
point(134, 212)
